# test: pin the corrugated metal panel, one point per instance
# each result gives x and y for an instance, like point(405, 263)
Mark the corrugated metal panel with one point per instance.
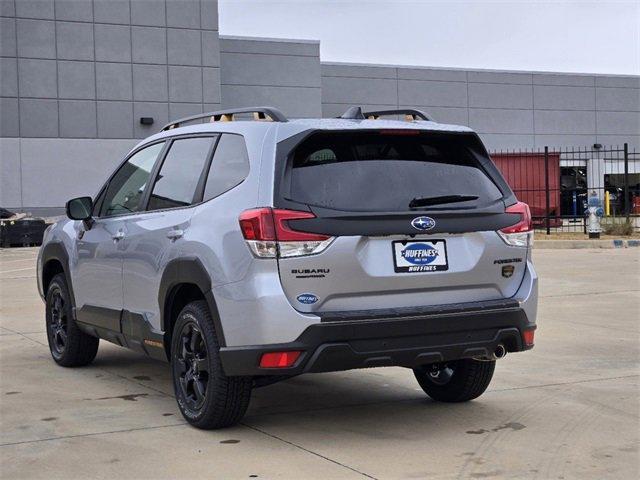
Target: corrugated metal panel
point(524, 172)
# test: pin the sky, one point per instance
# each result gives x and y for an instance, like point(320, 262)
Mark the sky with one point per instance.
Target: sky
point(585, 36)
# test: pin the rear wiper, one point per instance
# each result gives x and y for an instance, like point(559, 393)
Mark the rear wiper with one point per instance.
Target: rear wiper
point(426, 201)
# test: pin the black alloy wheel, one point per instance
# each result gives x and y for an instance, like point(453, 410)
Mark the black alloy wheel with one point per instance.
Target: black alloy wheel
point(192, 366)
point(69, 346)
point(58, 322)
point(207, 398)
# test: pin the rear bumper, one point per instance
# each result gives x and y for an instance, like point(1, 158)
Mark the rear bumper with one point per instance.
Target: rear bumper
point(404, 337)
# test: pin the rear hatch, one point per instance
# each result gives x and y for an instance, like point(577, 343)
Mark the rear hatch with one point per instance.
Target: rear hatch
point(411, 218)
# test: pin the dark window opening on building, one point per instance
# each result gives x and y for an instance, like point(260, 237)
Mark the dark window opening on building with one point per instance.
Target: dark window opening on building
point(573, 191)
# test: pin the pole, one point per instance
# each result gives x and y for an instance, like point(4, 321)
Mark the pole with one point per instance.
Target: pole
point(546, 190)
point(626, 180)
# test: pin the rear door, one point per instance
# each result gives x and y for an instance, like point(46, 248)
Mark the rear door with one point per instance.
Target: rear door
point(155, 237)
point(414, 215)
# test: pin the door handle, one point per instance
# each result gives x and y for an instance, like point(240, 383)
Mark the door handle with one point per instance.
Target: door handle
point(118, 236)
point(175, 234)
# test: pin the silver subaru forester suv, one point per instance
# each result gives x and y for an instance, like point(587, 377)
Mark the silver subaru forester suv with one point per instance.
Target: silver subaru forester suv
point(245, 249)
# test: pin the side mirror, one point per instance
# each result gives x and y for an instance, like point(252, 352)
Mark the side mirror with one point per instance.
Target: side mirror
point(80, 208)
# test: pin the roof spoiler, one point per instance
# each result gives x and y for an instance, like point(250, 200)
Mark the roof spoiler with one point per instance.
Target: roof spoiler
point(259, 114)
point(410, 114)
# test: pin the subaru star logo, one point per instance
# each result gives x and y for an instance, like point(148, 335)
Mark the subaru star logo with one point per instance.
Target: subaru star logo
point(423, 223)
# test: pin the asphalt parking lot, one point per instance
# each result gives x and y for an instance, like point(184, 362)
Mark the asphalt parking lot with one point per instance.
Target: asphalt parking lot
point(568, 409)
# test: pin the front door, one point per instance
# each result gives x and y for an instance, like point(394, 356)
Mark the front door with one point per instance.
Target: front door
point(97, 274)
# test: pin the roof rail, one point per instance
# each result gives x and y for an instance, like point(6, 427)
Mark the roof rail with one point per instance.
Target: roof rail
point(410, 114)
point(259, 114)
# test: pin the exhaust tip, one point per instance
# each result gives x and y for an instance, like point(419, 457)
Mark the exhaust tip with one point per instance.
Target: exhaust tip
point(499, 352)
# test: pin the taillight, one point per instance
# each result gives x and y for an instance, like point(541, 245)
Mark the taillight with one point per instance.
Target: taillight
point(257, 224)
point(269, 235)
point(521, 233)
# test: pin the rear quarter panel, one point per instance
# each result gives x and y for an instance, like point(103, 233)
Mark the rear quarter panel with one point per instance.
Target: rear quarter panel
point(252, 306)
point(214, 235)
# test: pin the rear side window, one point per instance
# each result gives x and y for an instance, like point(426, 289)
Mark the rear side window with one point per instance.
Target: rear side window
point(176, 183)
point(229, 168)
point(386, 172)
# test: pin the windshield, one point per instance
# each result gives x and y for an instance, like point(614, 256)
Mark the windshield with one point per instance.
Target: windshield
point(390, 171)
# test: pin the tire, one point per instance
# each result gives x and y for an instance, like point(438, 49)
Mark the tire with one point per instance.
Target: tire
point(457, 381)
point(207, 398)
point(69, 346)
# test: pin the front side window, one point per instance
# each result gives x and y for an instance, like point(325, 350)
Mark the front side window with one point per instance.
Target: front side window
point(229, 168)
point(176, 183)
point(125, 190)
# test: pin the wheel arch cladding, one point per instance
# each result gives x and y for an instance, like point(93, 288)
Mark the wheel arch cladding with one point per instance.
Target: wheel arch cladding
point(55, 260)
point(185, 280)
point(49, 270)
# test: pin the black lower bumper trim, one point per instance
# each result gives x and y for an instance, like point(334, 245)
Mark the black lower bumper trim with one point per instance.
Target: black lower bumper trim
point(397, 341)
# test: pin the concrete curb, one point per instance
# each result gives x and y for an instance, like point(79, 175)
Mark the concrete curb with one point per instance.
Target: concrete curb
point(581, 244)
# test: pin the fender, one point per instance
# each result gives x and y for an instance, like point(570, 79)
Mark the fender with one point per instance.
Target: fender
point(187, 270)
point(55, 251)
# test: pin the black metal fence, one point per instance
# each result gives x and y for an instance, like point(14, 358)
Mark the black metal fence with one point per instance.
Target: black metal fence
point(557, 183)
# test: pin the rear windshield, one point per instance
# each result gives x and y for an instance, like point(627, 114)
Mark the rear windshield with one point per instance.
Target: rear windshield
point(387, 171)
